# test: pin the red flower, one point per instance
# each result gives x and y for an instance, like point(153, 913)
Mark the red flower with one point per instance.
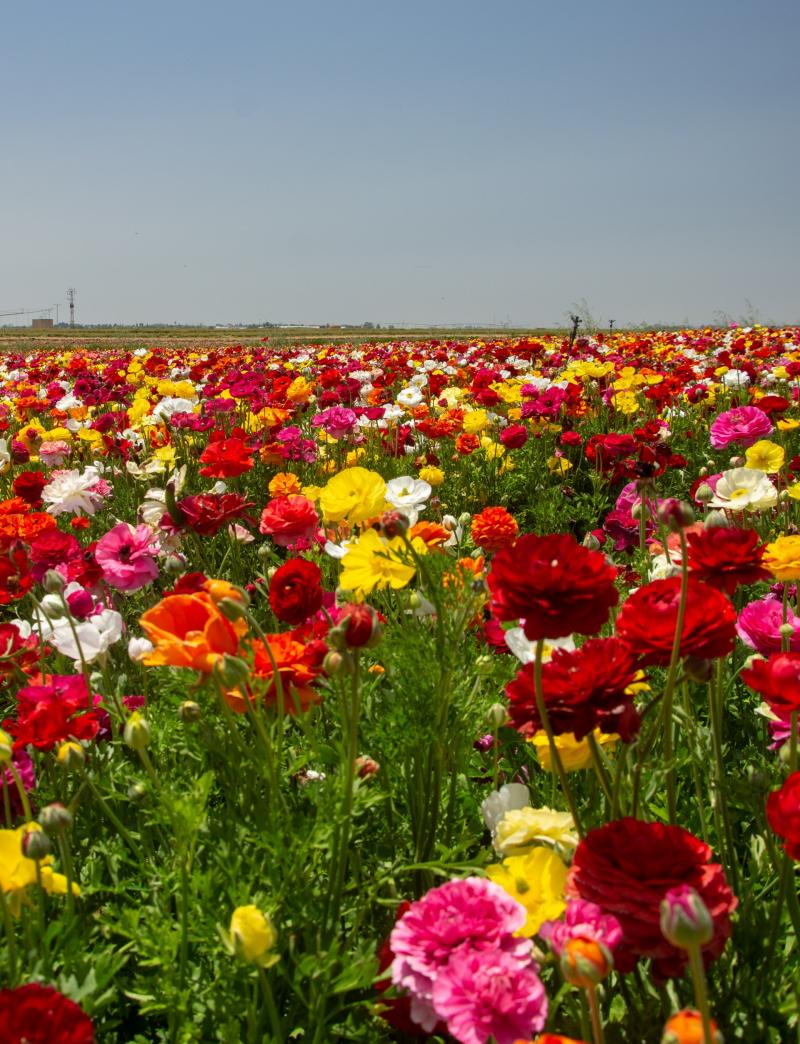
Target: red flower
point(226, 458)
point(649, 618)
point(514, 436)
point(206, 513)
point(583, 689)
point(778, 681)
point(295, 591)
point(726, 557)
point(35, 1014)
point(554, 584)
point(52, 549)
point(15, 574)
point(29, 486)
point(289, 519)
point(59, 708)
point(627, 867)
point(783, 814)
point(16, 651)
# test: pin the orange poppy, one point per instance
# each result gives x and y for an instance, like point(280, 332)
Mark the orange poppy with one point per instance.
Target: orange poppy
point(189, 631)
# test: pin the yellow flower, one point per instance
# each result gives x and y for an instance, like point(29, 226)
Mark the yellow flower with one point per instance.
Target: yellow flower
point(788, 424)
point(355, 494)
point(374, 562)
point(521, 828)
point(284, 484)
point(782, 558)
point(765, 456)
point(535, 880)
point(17, 872)
point(794, 491)
point(558, 465)
point(475, 421)
point(433, 475)
point(575, 754)
point(253, 936)
point(492, 450)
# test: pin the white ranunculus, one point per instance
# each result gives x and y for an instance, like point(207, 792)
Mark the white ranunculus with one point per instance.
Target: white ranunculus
point(84, 639)
point(744, 489)
point(409, 397)
point(70, 492)
point(495, 806)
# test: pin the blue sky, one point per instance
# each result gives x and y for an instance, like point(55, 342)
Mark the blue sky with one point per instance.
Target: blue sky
point(421, 162)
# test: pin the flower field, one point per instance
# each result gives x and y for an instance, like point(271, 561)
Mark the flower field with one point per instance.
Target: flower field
point(440, 690)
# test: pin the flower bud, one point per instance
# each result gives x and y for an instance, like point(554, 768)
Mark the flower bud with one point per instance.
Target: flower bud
point(366, 766)
point(585, 962)
point(338, 662)
point(189, 712)
point(675, 515)
point(71, 755)
point(35, 843)
point(137, 732)
point(53, 582)
point(737, 462)
point(497, 715)
point(361, 627)
point(232, 609)
point(253, 936)
point(137, 792)
point(686, 1027)
point(716, 520)
point(174, 565)
point(704, 493)
point(232, 671)
point(591, 542)
point(464, 518)
point(484, 664)
point(786, 630)
point(393, 524)
point(685, 920)
point(55, 818)
point(52, 606)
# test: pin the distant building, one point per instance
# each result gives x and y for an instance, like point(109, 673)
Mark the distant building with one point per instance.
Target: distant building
point(42, 324)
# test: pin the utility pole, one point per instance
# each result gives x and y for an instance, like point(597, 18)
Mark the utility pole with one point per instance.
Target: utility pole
point(71, 298)
point(610, 325)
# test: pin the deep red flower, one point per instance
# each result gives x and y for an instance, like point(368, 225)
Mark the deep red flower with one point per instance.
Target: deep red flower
point(726, 557)
point(29, 486)
point(583, 689)
point(783, 814)
point(226, 458)
point(15, 574)
point(628, 866)
point(514, 436)
point(16, 651)
point(51, 549)
point(59, 708)
point(206, 513)
point(361, 625)
point(554, 584)
point(35, 1014)
point(649, 618)
point(295, 591)
point(778, 681)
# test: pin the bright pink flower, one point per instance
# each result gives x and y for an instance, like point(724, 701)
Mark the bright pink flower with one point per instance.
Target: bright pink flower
point(741, 426)
point(759, 625)
point(471, 914)
point(490, 994)
point(126, 554)
point(582, 920)
point(337, 421)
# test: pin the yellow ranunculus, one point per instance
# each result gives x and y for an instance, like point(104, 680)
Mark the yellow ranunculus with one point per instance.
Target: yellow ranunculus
point(374, 562)
point(475, 421)
point(17, 872)
point(782, 558)
point(432, 475)
point(575, 754)
point(354, 495)
point(535, 880)
point(253, 936)
point(766, 456)
point(522, 828)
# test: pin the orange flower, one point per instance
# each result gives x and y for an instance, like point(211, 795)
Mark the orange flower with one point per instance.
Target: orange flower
point(493, 528)
point(189, 631)
point(285, 484)
point(466, 444)
point(296, 669)
point(430, 533)
point(219, 589)
point(18, 522)
point(687, 1028)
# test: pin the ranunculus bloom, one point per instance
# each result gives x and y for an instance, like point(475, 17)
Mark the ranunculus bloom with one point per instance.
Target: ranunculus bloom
point(206, 513)
point(29, 486)
point(354, 495)
point(726, 557)
point(583, 920)
point(15, 574)
point(295, 591)
point(627, 867)
point(759, 626)
point(189, 631)
point(536, 880)
point(783, 814)
point(493, 528)
point(649, 618)
point(741, 426)
point(744, 489)
point(35, 1014)
point(583, 689)
point(782, 558)
point(287, 520)
point(59, 708)
point(298, 667)
point(226, 458)
point(127, 556)
point(53, 550)
point(554, 584)
point(686, 1027)
point(778, 681)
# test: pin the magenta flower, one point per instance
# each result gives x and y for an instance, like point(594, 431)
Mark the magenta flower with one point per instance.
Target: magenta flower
point(126, 554)
point(471, 914)
point(490, 994)
point(741, 426)
point(582, 920)
point(759, 626)
point(337, 421)
point(23, 765)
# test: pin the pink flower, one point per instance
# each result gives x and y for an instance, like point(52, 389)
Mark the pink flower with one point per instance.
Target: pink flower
point(490, 994)
point(126, 554)
point(759, 626)
point(741, 426)
point(288, 520)
point(472, 914)
point(23, 765)
point(337, 421)
point(582, 920)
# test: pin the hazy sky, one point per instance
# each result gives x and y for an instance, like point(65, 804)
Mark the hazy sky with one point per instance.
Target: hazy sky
point(433, 162)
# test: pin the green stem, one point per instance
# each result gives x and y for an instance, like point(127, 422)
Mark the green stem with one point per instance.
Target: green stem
point(700, 992)
point(272, 1011)
point(11, 940)
point(594, 1011)
point(669, 689)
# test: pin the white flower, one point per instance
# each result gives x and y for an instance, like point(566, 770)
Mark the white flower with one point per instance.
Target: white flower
point(409, 397)
point(138, 648)
point(409, 495)
point(744, 489)
point(170, 404)
point(70, 492)
point(91, 638)
point(736, 379)
point(525, 650)
point(510, 795)
point(5, 456)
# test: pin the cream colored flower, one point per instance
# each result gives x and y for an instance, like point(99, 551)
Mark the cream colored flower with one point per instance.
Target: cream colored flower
point(521, 828)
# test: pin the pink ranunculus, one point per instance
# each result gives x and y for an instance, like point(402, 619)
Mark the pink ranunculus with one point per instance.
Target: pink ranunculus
point(289, 520)
point(483, 994)
point(473, 914)
point(54, 453)
point(741, 426)
point(337, 421)
point(582, 920)
point(759, 625)
point(126, 554)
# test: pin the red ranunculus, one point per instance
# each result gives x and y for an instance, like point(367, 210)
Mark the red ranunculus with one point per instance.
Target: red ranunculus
point(16, 652)
point(226, 458)
point(627, 867)
point(554, 584)
point(726, 557)
point(583, 689)
point(59, 708)
point(35, 1014)
point(289, 519)
point(29, 486)
point(783, 813)
point(514, 436)
point(295, 591)
point(648, 620)
point(778, 681)
point(51, 549)
point(206, 513)
point(15, 574)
